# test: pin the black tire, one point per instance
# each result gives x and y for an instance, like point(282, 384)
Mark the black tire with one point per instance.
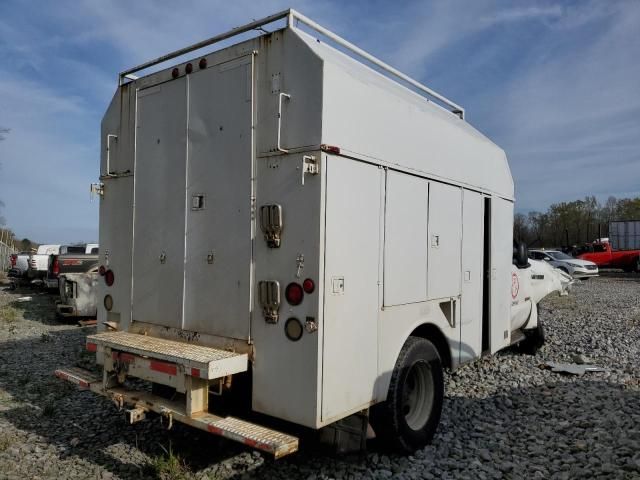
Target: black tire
point(408, 418)
point(534, 338)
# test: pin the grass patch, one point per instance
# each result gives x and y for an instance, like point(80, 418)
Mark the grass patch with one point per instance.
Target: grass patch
point(8, 314)
point(168, 466)
point(5, 443)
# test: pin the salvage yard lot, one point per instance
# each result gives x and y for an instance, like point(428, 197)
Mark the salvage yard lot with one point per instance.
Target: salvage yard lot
point(504, 416)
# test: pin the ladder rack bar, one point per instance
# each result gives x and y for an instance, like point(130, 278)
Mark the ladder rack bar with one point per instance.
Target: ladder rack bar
point(292, 15)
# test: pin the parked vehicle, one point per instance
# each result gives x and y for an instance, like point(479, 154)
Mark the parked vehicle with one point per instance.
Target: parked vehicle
point(575, 267)
point(78, 294)
point(39, 261)
point(604, 256)
point(70, 263)
point(19, 272)
point(286, 249)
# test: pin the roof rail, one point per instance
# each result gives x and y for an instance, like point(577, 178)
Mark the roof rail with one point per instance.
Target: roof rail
point(291, 16)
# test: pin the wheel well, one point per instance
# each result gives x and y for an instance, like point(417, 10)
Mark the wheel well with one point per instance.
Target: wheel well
point(434, 335)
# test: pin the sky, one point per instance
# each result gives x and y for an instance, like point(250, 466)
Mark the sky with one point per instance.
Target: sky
point(556, 84)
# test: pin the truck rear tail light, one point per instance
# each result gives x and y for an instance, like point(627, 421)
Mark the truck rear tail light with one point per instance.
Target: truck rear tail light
point(55, 268)
point(108, 302)
point(294, 293)
point(102, 270)
point(14, 259)
point(308, 286)
point(188, 68)
point(109, 277)
point(293, 329)
point(175, 72)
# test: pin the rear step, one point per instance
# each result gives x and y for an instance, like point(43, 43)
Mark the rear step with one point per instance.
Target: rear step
point(271, 441)
point(198, 361)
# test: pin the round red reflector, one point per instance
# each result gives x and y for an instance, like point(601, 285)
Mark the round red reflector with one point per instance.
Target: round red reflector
point(308, 286)
point(188, 68)
point(202, 63)
point(109, 277)
point(175, 72)
point(102, 270)
point(294, 294)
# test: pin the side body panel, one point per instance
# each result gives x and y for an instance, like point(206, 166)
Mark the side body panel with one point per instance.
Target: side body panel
point(351, 302)
point(287, 374)
point(116, 206)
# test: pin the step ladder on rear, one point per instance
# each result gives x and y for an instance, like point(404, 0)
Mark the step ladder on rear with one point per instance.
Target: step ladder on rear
point(188, 368)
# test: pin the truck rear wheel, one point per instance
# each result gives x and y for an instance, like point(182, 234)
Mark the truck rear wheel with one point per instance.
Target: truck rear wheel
point(408, 419)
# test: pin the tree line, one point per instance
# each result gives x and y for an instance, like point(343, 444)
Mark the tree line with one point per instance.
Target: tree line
point(573, 223)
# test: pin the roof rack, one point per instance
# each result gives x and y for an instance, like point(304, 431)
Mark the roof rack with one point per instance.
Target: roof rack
point(291, 17)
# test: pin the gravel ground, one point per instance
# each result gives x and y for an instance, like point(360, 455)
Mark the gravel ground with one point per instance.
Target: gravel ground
point(504, 417)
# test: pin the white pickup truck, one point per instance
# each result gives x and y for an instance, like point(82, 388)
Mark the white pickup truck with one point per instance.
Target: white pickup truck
point(39, 261)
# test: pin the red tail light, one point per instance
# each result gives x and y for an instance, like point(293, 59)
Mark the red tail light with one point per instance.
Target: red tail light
point(294, 294)
point(109, 277)
point(14, 259)
point(308, 286)
point(55, 268)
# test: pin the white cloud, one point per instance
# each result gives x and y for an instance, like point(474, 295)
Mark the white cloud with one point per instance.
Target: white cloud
point(522, 13)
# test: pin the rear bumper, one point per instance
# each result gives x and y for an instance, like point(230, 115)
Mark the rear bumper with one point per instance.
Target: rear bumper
point(137, 403)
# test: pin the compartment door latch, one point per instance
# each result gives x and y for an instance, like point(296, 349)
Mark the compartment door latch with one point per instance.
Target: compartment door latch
point(310, 166)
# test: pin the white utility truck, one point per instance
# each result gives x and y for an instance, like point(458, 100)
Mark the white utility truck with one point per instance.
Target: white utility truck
point(292, 222)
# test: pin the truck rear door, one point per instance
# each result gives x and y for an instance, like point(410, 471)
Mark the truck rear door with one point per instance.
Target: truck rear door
point(193, 188)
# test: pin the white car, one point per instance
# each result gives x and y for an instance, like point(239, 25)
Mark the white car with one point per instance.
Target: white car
point(573, 266)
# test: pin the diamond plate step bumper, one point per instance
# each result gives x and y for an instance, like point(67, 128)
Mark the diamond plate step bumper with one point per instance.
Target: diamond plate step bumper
point(205, 362)
point(256, 436)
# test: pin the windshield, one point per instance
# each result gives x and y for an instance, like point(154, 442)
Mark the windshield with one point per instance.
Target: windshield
point(559, 256)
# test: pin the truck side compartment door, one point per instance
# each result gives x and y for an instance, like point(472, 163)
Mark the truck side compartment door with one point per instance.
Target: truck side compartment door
point(472, 263)
point(351, 305)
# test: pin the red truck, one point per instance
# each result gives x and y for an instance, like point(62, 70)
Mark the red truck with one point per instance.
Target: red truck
point(602, 254)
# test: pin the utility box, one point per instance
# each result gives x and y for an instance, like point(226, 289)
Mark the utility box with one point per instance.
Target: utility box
point(299, 204)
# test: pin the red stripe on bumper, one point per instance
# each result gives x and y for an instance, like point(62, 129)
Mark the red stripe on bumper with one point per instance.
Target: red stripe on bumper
point(123, 357)
point(163, 367)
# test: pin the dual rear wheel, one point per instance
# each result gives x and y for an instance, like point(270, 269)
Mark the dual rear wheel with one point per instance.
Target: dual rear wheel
point(408, 419)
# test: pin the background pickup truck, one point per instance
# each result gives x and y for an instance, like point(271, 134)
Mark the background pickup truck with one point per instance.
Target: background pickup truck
point(604, 256)
point(39, 261)
point(69, 263)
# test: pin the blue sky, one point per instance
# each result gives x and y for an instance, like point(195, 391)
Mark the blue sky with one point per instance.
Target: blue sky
point(556, 84)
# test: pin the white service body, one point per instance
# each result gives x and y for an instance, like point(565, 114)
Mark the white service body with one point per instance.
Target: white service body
point(399, 211)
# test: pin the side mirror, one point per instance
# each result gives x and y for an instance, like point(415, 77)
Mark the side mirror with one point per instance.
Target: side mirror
point(520, 254)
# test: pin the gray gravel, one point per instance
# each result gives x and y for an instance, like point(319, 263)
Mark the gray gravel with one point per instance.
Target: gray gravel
point(504, 416)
